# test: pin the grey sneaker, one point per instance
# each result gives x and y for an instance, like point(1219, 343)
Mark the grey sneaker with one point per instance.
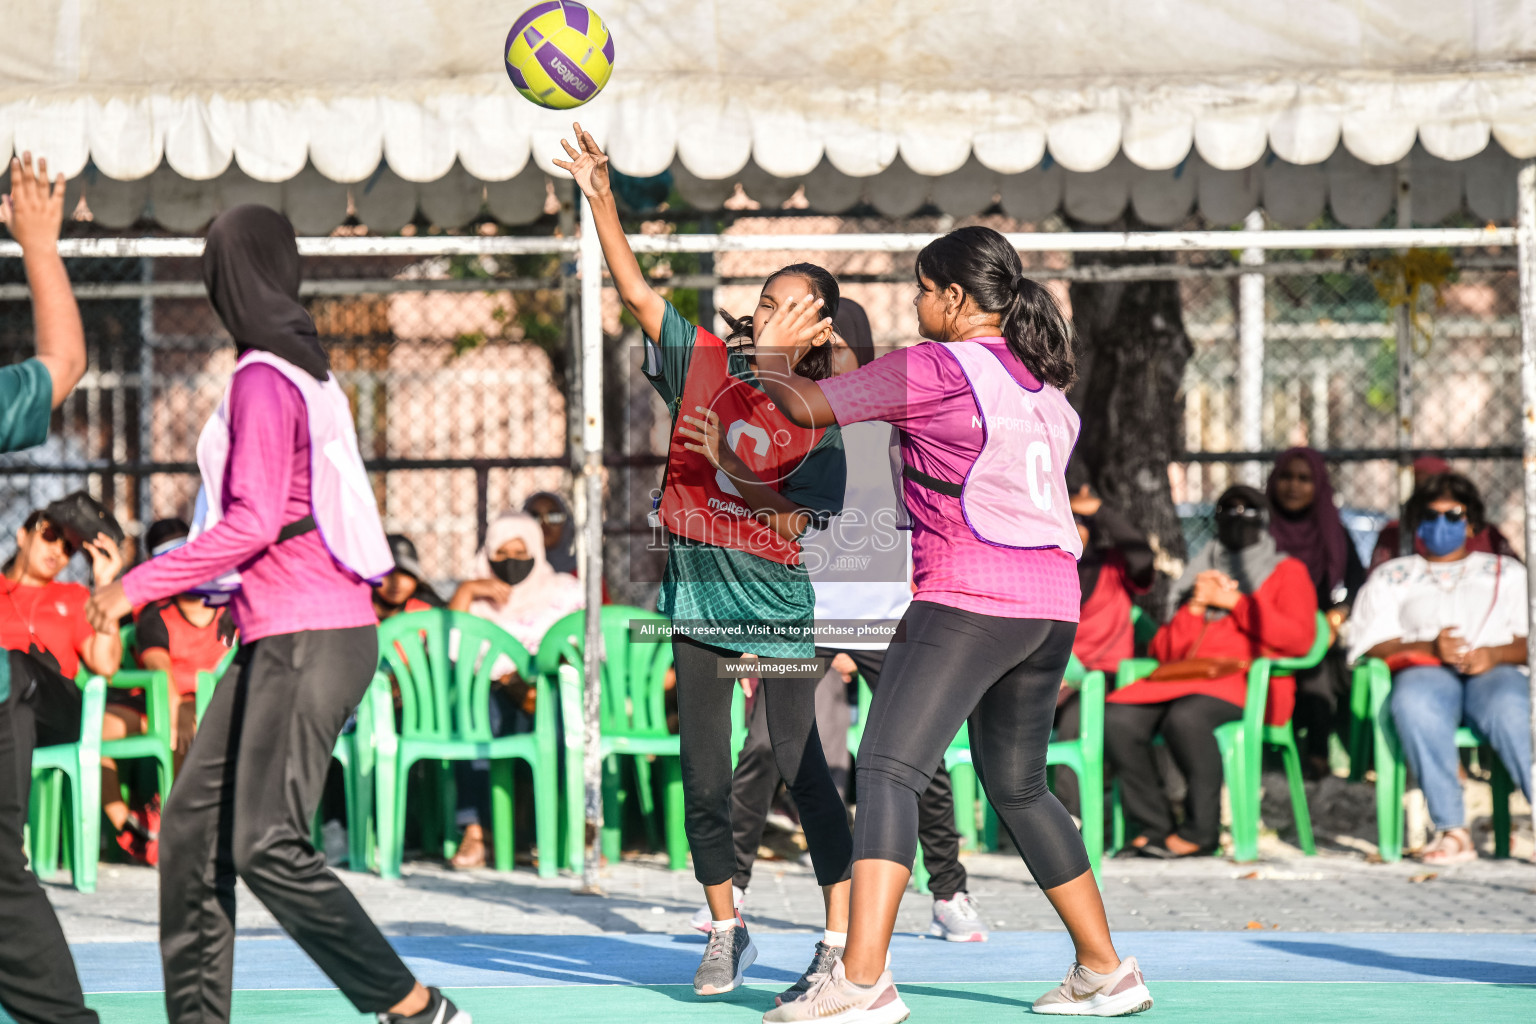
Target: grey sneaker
point(821, 963)
point(833, 999)
point(957, 919)
point(726, 960)
point(1086, 993)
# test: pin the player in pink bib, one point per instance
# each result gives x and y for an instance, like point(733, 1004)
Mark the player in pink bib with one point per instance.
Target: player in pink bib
point(986, 432)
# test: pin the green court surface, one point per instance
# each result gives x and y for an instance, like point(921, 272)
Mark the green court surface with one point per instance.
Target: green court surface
point(1195, 1002)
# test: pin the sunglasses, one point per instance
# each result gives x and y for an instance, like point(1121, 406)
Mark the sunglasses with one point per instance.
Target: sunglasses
point(551, 518)
point(51, 534)
point(1242, 512)
point(1455, 515)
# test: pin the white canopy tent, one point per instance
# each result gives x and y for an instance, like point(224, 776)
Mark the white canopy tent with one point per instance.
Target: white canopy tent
point(177, 108)
point(1221, 105)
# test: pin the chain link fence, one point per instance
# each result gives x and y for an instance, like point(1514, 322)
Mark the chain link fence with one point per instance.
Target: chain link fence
point(459, 368)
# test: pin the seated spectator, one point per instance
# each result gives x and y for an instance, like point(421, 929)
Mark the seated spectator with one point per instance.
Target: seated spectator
point(1239, 599)
point(1487, 539)
point(554, 517)
point(1451, 624)
point(1115, 567)
point(181, 636)
point(403, 590)
point(516, 588)
point(46, 618)
point(1306, 525)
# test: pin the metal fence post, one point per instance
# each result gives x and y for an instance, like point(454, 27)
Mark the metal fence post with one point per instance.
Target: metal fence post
point(1250, 353)
point(591, 391)
point(1404, 377)
point(1526, 239)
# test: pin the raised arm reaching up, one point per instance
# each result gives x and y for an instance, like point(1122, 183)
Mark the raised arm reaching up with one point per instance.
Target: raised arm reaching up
point(34, 213)
point(589, 166)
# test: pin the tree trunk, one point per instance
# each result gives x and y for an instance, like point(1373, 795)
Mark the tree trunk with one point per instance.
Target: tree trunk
point(1131, 354)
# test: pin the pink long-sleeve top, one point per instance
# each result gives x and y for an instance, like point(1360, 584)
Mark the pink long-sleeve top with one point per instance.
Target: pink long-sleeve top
point(287, 587)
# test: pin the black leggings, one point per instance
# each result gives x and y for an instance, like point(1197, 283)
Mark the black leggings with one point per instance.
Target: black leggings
point(1188, 725)
point(704, 731)
point(1002, 676)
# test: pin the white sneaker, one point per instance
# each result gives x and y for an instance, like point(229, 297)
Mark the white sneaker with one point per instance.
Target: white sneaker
point(957, 919)
point(703, 921)
point(1086, 993)
point(833, 999)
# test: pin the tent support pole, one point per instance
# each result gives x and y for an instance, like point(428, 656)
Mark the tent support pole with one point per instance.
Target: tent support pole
point(1526, 239)
point(1250, 358)
point(591, 390)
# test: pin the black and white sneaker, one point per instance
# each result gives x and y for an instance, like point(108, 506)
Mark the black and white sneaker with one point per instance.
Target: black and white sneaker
point(440, 1010)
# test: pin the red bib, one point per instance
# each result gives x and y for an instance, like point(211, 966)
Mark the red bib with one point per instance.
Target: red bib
point(701, 502)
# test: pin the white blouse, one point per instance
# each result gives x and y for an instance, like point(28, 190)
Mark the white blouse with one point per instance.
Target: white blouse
point(1482, 597)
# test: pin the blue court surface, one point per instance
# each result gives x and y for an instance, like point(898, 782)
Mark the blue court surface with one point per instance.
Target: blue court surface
point(1195, 976)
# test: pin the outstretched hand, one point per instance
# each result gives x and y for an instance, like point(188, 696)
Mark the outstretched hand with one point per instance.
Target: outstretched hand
point(588, 165)
point(796, 328)
point(34, 210)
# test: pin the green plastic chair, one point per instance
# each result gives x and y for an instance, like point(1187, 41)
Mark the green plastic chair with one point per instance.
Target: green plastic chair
point(69, 775)
point(633, 726)
point(367, 756)
point(1392, 770)
point(445, 697)
point(154, 742)
point(1242, 744)
point(207, 680)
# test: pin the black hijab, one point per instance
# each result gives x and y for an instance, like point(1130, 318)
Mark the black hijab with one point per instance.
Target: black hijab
point(251, 270)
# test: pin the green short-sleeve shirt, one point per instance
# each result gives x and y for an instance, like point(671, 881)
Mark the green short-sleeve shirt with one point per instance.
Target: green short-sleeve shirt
point(729, 598)
point(26, 403)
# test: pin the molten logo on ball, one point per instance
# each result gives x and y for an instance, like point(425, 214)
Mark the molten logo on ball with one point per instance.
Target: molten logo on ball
point(559, 54)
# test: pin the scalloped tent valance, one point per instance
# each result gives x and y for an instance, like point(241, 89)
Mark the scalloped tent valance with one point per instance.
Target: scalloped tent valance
point(1292, 195)
point(789, 86)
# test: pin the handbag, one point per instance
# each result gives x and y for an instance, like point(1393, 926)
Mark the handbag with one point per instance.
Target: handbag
point(1193, 668)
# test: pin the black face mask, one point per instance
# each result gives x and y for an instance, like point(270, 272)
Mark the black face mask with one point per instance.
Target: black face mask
point(512, 571)
point(1236, 532)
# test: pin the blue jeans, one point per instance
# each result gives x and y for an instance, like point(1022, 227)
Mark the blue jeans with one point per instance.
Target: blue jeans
point(1429, 703)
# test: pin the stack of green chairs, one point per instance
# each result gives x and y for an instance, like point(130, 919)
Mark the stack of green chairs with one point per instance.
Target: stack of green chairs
point(1242, 744)
point(49, 779)
point(1375, 678)
point(442, 662)
point(67, 776)
point(633, 726)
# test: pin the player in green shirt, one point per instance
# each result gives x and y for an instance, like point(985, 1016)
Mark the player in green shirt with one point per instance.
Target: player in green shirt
point(38, 984)
point(743, 484)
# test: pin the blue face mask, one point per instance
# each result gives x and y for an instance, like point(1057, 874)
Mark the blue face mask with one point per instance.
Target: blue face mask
point(1441, 536)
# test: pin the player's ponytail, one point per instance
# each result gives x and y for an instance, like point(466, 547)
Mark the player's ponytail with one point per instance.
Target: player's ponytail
point(988, 269)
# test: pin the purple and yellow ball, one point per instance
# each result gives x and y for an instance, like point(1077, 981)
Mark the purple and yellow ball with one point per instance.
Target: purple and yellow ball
point(559, 54)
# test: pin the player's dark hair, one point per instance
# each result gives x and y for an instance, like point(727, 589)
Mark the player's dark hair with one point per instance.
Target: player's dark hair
point(988, 269)
point(1446, 485)
point(817, 363)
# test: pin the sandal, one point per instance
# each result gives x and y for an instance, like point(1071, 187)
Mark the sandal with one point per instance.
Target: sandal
point(472, 850)
point(1453, 846)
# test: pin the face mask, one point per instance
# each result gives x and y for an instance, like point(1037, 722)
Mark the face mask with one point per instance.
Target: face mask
point(1237, 532)
point(512, 571)
point(1441, 537)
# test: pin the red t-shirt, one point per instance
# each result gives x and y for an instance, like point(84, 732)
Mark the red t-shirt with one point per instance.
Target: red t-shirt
point(1279, 620)
point(1105, 636)
point(161, 625)
point(51, 617)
